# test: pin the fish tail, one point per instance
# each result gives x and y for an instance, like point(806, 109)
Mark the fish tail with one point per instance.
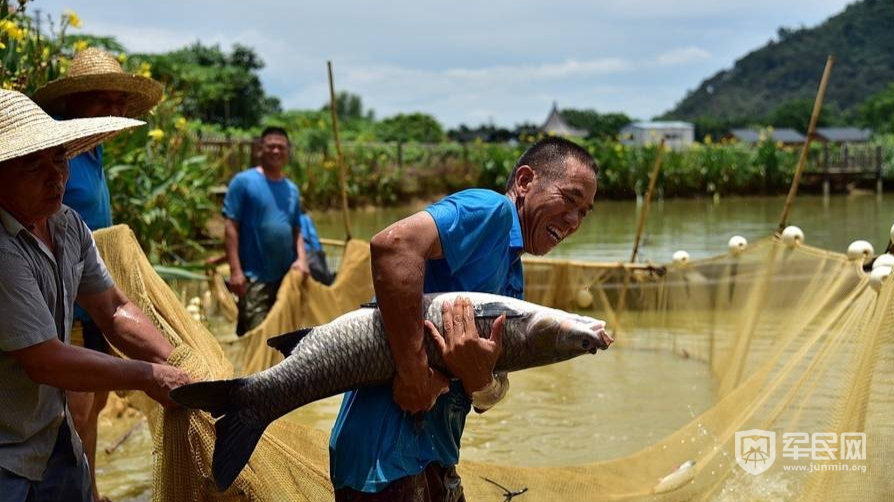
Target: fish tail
point(236, 437)
point(236, 441)
point(215, 397)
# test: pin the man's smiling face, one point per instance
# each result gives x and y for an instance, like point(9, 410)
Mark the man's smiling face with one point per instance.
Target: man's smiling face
point(554, 209)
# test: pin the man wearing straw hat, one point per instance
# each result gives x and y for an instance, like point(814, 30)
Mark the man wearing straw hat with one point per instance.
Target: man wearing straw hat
point(47, 261)
point(94, 86)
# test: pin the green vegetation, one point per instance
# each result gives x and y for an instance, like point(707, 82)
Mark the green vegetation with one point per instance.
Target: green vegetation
point(217, 88)
point(162, 177)
point(598, 125)
point(877, 112)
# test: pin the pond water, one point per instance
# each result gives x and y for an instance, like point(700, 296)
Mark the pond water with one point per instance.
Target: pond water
point(700, 226)
point(594, 407)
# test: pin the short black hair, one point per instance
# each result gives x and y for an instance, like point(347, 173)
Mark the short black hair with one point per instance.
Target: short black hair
point(279, 131)
point(547, 158)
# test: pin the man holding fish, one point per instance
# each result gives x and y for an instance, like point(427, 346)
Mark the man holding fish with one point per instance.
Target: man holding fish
point(400, 442)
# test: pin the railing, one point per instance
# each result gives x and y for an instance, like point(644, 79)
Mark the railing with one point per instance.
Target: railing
point(848, 161)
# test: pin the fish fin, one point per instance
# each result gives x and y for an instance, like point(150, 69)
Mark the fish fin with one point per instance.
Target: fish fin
point(286, 343)
point(235, 443)
point(213, 397)
point(369, 305)
point(496, 309)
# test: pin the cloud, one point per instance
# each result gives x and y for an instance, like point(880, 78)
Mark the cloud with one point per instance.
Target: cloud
point(506, 94)
point(467, 61)
point(144, 39)
point(682, 56)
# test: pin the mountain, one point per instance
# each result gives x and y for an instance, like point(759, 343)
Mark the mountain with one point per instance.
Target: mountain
point(788, 69)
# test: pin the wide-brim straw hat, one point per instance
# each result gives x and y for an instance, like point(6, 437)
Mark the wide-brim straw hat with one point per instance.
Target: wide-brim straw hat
point(25, 129)
point(96, 70)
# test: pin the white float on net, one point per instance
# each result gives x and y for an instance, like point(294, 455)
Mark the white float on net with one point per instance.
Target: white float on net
point(584, 298)
point(860, 250)
point(877, 276)
point(681, 257)
point(792, 236)
point(885, 260)
point(737, 244)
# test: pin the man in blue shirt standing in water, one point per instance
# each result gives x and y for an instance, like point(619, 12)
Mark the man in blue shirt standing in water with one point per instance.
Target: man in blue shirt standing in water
point(400, 443)
point(94, 86)
point(263, 230)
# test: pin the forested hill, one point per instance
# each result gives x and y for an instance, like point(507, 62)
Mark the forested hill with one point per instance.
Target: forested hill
point(788, 69)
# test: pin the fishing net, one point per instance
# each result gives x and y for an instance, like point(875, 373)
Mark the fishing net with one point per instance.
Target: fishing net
point(796, 340)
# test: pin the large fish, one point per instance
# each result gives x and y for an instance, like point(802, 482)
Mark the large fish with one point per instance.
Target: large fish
point(352, 351)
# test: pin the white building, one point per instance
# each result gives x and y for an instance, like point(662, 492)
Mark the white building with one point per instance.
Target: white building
point(677, 135)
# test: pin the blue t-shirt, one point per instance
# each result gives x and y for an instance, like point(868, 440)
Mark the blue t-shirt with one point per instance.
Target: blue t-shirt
point(309, 231)
point(88, 194)
point(373, 441)
point(267, 211)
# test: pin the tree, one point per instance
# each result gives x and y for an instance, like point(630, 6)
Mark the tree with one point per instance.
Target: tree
point(796, 114)
point(349, 107)
point(216, 87)
point(877, 112)
point(597, 125)
point(417, 126)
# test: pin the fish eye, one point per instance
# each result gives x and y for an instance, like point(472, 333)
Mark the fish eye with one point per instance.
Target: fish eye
point(585, 343)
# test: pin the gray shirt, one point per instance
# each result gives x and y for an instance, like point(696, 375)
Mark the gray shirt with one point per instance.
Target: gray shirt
point(37, 293)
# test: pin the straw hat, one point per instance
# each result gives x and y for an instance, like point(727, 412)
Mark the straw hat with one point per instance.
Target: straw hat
point(96, 70)
point(25, 129)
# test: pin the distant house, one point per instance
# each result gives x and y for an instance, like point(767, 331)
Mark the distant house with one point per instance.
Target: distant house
point(785, 136)
point(843, 134)
point(557, 126)
point(677, 135)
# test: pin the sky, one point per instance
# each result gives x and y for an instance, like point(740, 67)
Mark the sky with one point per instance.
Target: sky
point(473, 62)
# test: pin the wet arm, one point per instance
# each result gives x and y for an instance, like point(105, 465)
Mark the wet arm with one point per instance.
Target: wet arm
point(399, 253)
point(126, 326)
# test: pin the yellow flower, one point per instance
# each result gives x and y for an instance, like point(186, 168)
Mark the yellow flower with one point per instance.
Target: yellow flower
point(80, 45)
point(73, 20)
point(2, 46)
point(708, 139)
point(45, 53)
point(8, 85)
point(181, 124)
point(145, 69)
point(122, 58)
point(779, 144)
point(11, 30)
point(156, 134)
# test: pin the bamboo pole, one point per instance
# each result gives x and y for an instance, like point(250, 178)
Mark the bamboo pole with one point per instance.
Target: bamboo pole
point(342, 177)
point(653, 179)
point(811, 133)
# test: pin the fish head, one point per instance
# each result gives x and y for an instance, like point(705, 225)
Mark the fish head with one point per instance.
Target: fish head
point(564, 335)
